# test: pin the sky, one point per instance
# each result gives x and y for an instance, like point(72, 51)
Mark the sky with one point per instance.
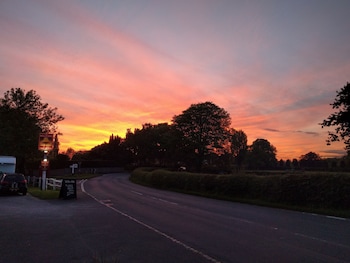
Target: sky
point(113, 65)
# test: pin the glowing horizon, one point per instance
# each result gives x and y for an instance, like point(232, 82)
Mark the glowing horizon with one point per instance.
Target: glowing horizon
point(110, 66)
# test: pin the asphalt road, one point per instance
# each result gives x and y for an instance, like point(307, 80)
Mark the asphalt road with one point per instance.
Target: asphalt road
point(113, 220)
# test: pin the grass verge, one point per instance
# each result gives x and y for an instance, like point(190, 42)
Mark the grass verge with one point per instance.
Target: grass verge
point(45, 195)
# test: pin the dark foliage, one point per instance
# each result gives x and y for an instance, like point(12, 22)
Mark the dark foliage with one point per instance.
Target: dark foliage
point(261, 155)
point(340, 119)
point(322, 191)
point(204, 128)
point(22, 118)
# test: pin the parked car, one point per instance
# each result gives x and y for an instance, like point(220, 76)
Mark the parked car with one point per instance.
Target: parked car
point(13, 183)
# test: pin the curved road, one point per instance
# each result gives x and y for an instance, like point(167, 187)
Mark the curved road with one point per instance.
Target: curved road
point(114, 220)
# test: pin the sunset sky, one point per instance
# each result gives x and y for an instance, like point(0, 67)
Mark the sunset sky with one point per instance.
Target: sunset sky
point(110, 65)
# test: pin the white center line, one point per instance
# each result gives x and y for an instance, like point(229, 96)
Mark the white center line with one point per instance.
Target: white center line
point(138, 193)
point(165, 201)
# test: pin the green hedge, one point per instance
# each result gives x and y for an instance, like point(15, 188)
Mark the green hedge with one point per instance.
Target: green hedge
point(325, 191)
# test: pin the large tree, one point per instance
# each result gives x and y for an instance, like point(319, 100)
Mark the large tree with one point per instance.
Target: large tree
point(204, 128)
point(340, 119)
point(310, 156)
point(312, 160)
point(262, 155)
point(23, 116)
point(152, 145)
point(238, 146)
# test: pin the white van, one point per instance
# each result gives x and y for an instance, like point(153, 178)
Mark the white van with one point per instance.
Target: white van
point(7, 164)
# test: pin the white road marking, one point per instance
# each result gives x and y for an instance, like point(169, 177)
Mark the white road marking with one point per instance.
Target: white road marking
point(138, 193)
point(338, 218)
point(321, 240)
point(152, 228)
point(309, 237)
point(107, 202)
point(330, 217)
point(163, 200)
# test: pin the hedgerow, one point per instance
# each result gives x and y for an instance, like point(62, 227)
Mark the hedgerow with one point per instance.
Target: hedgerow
point(325, 191)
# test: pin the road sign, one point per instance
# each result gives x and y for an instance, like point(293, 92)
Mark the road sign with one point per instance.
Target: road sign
point(45, 142)
point(44, 164)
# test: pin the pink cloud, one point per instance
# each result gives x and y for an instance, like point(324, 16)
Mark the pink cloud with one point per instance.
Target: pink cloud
point(104, 79)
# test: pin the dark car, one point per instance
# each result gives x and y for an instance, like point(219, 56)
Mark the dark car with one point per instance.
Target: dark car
point(13, 183)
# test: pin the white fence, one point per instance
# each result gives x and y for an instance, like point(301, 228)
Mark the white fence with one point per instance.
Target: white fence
point(52, 182)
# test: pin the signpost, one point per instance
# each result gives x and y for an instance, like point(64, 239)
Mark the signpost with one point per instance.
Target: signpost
point(45, 142)
point(73, 166)
point(45, 145)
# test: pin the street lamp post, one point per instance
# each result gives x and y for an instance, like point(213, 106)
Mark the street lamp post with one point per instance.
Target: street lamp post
point(45, 145)
point(44, 166)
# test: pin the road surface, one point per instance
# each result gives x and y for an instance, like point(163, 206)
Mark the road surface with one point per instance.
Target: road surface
point(114, 220)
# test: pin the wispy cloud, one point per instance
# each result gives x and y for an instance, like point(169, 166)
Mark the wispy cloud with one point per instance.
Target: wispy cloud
point(109, 67)
point(309, 133)
point(271, 130)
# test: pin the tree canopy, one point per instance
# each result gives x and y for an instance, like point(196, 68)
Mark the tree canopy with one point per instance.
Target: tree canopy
point(151, 144)
point(310, 156)
point(340, 119)
point(204, 128)
point(262, 155)
point(30, 103)
point(238, 146)
point(311, 160)
point(23, 116)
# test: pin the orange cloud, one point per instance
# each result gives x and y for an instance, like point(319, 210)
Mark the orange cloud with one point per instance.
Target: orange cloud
point(105, 79)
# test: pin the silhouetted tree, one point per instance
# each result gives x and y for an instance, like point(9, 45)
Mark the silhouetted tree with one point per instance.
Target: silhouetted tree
point(204, 128)
point(310, 156)
point(55, 150)
point(295, 164)
point(23, 116)
point(46, 118)
point(70, 153)
point(99, 152)
point(239, 146)
point(262, 155)
point(281, 164)
point(340, 119)
point(312, 160)
point(114, 152)
point(152, 145)
point(81, 156)
point(60, 161)
point(288, 164)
